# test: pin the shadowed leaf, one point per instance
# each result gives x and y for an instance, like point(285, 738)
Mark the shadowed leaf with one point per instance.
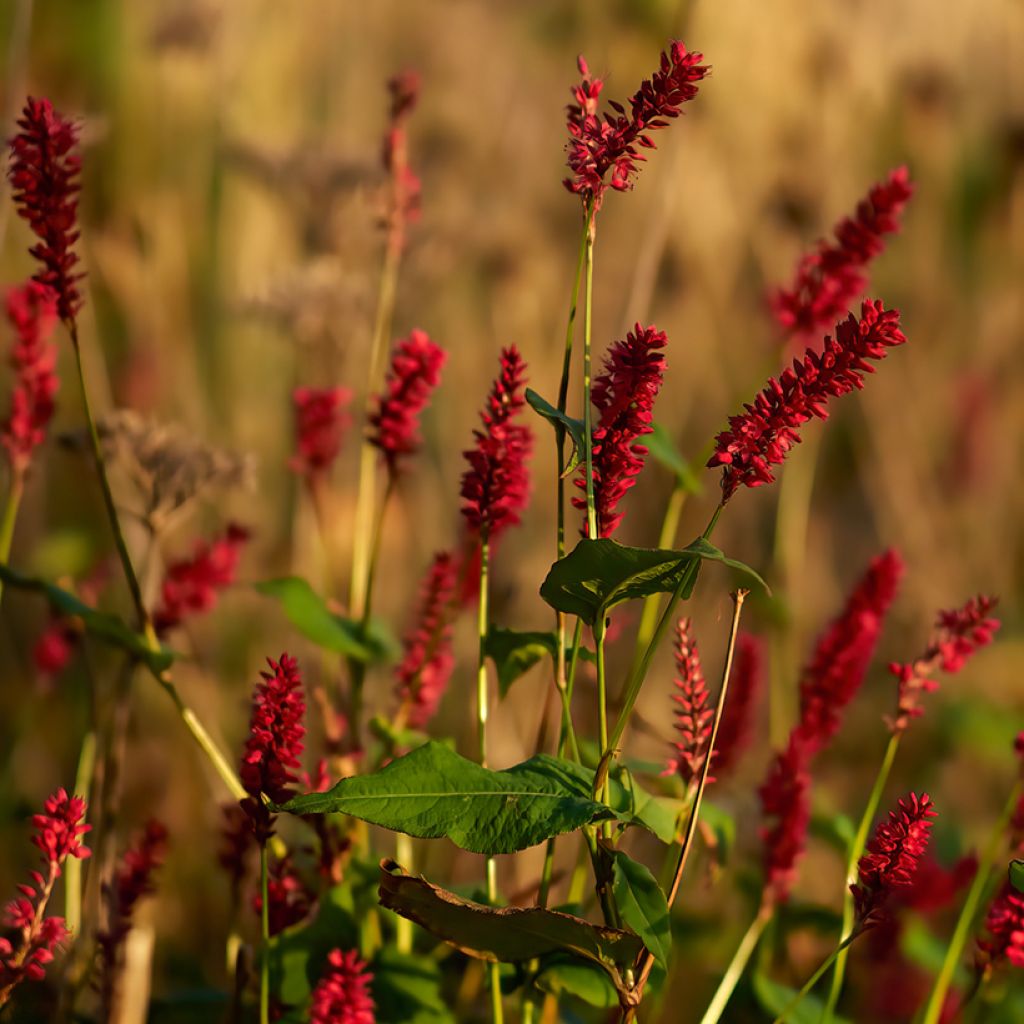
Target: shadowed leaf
point(560, 421)
point(663, 449)
point(642, 905)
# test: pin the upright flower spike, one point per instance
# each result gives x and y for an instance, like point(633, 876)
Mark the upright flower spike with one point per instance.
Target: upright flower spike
point(321, 422)
point(892, 857)
point(734, 729)
point(957, 635)
point(604, 151)
point(427, 658)
point(693, 711)
point(762, 435)
point(191, 585)
point(496, 487)
point(59, 831)
point(404, 205)
point(841, 658)
point(342, 995)
point(32, 312)
point(624, 396)
point(44, 176)
point(415, 372)
point(1004, 925)
point(829, 280)
point(785, 796)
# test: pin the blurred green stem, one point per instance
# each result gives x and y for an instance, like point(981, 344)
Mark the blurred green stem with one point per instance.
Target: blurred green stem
point(737, 965)
point(856, 849)
point(10, 517)
point(73, 866)
point(813, 980)
point(965, 922)
point(265, 937)
point(403, 926)
point(588, 439)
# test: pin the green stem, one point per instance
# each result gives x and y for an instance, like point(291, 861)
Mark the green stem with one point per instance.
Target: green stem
point(588, 440)
point(10, 517)
point(737, 965)
point(855, 852)
point(965, 922)
point(638, 670)
point(403, 926)
point(265, 936)
point(73, 866)
point(666, 539)
point(813, 979)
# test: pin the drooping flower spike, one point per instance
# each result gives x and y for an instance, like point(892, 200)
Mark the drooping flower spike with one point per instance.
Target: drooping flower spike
point(785, 797)
point(694, 713)
point(762, 435)
point(44, 175)
point(496, 487)
point(829, 280)
point(321, 422)
point(415, 372)
point(624, 395)
point(604, 150)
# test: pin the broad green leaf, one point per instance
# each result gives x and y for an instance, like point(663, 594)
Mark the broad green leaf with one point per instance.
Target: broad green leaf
point(635, 806)
point(309, 614)
point(506, 934)
point(515, 653)
point(560, 421)
point(108, 628)
point(663, 449)
point(1016, 872)
point(599, 574)
point(432, 792)
point(562, 977)
point(642, 905)
point(774, 998)
point(407, 989)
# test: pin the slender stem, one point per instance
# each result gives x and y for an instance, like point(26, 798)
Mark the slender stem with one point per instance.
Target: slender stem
point(403, 926)
point(265, 936)
point(10, 517)
point(602, 715)
point(965, 922)
point(813, 979)
point(737, 965)
point(666, 539)
point(638, 670)
point(73, 866)
point(856, 849)
point(588, 440)
point(646, 960)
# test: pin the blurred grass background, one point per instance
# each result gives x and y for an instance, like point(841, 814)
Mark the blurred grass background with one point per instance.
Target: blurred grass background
point(229, 229)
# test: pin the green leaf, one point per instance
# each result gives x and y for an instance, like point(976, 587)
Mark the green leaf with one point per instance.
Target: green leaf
point(108, 628)
point(599, 574)
point(309, 614)
point(642, 905)
point(432, 792)
point(560, 421)
point(506, 934)
point(1016, 872)
point(635, 806)
point(774, 998)
point(663, 449)
point(562, 977)
point(407, 989)
point(723, 824)
point(515, 653)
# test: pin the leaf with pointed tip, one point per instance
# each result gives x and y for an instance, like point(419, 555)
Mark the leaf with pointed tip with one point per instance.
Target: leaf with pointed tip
point(432, 793)
point(309, 614)
point(642, 905)
point(514, 653)
point(635, 806)
point(108, 628)
point(1016, 872)
point(599, 574)
point(561, 422)
point(505, 934)
point(663, 449)
point(563, 977)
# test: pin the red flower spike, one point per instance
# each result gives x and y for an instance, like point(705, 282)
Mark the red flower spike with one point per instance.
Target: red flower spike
point(829, 280)
point(957, 635)
point(762, 436)
point(289, 898)
point(785, 796)
point(415, 371)
point(404, 203)
point(841, 659)
point(44, 176)
point(191, 586)
point(342, 996)
point(624, 396)
point(427, 659)
point(1004, 924)
point(744, 683)
point(32, 312)
point(603, 150)
point(892, 857)
point(694, 715)
point(496, 487)
point(321, 422)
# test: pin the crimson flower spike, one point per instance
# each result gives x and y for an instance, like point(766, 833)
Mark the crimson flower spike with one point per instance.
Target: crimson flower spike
point(841, 659)
point(604, 151)
point(693, 712)
point(624, 396)
point(415, 371)
point(957, 635)
point(32, 312)
point(404, 205)
point(762, 435)
point(44, 175)
point(737, 718)
point(1004, 924)
point(342, 995)
point(496, 487)
point(785, 796)
point(427, 659)
point(892, 858)
point(321, 422)
point(831, 278)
